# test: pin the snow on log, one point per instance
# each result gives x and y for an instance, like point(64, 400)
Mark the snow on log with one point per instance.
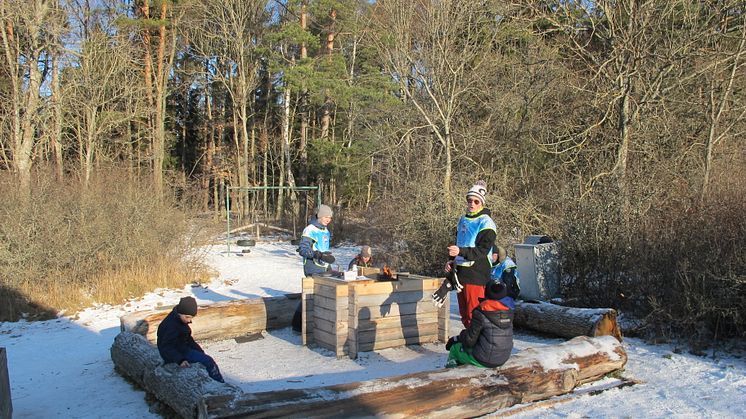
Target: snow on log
point(181, 389)
point(530, 375)
point(566, 322)
point(223, 320)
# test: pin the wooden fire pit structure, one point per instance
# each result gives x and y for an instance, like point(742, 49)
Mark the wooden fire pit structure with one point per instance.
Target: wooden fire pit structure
point(530, 375)
point(362, 315)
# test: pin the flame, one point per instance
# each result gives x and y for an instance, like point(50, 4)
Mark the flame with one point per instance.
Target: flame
point(386, 272)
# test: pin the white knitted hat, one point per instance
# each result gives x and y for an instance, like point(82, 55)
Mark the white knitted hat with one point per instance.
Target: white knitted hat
point(479, 190)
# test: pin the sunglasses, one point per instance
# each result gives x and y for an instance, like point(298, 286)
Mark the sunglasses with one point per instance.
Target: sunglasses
point(473, 201)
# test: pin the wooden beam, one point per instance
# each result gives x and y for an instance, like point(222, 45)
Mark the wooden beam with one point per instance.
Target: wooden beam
point(224, 320)
point(531, 375)
point(566, 322)
point(6, 404)
point(591, 390)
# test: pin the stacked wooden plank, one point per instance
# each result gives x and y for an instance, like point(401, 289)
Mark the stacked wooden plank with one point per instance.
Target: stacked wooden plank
point(330, 315)
point(348, 317)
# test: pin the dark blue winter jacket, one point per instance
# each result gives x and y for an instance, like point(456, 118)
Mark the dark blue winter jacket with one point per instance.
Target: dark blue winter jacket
point(316, 238)
point(490, 334)
point(175, 339)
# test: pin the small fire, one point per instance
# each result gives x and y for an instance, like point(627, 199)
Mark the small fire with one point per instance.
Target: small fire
point(386, 272)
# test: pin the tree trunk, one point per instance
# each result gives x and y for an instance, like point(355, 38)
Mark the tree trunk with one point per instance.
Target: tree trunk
point(56, 136)
point(284, 155)
point(182, 389)
point(304, 115)
point(567, 322)
point(222, 320)
point(462, 392)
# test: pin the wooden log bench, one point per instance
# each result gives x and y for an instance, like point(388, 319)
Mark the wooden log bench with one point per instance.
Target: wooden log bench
point(531, 375)
point(236, 318)
point(222, 320)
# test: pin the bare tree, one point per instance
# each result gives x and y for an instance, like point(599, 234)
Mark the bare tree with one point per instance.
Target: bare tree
point(226, 34)
point(26, 31)
point(95, 91)
point(436, 51)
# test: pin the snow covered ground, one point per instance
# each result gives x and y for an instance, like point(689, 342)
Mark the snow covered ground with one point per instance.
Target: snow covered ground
point(61, 368)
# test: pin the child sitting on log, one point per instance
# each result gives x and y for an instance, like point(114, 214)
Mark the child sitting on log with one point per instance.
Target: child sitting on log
point(488, 341)
point(175, 342)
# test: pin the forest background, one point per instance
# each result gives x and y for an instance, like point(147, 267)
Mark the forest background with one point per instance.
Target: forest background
point(616, 127)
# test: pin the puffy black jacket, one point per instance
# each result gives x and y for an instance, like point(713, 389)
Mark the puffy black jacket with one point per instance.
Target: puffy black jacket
point(175, 339)
point(490, 334)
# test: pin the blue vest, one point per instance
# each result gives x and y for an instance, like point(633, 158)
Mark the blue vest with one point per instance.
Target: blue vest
point(497, 271)
point(321, 241)
point(466, 235)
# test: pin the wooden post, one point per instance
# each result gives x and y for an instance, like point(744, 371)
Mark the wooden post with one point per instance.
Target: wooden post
point(353, 324)
point(307, 309)
point(6, 405)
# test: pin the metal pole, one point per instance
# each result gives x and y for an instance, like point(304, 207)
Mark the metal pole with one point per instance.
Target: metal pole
point(228, 217)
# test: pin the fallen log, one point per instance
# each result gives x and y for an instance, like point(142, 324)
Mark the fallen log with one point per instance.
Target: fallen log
point(223, 320)
point(532, 374)
point(566, 322)
point(182, 389)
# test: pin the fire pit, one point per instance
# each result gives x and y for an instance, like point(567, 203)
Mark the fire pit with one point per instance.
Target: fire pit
point(379, 312)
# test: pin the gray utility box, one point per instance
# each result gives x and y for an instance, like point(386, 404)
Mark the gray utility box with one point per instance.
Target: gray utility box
point(538, 269)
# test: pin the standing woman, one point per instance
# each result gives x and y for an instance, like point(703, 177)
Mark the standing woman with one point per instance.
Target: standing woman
point(472, 253)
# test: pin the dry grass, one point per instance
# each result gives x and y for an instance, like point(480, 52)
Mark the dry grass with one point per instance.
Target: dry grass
point(64, 248)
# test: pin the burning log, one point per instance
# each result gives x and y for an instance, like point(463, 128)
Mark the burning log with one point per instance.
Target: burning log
point(386, 274)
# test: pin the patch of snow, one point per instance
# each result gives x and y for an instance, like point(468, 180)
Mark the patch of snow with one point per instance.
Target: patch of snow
point(62, 368)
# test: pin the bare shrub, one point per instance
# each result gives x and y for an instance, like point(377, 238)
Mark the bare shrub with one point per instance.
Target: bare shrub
point(66, 247)
point(680, 264)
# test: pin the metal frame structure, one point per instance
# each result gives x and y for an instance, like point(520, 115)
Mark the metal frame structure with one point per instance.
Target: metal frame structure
point(228, 190)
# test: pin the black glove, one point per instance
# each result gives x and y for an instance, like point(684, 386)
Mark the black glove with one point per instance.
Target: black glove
point(511, 283)
point(453, 279)
point(451, 341)
point(439, 296)
point(327, 257)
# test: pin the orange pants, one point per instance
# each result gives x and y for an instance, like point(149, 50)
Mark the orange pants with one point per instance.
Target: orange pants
point(468, 300)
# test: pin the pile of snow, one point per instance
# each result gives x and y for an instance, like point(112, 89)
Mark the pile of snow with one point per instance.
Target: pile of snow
point(57, 366)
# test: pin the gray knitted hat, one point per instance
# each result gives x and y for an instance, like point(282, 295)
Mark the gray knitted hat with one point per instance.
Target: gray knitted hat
point(324, 211)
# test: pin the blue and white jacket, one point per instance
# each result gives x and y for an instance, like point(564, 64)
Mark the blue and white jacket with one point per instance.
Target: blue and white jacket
point(316, 237)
